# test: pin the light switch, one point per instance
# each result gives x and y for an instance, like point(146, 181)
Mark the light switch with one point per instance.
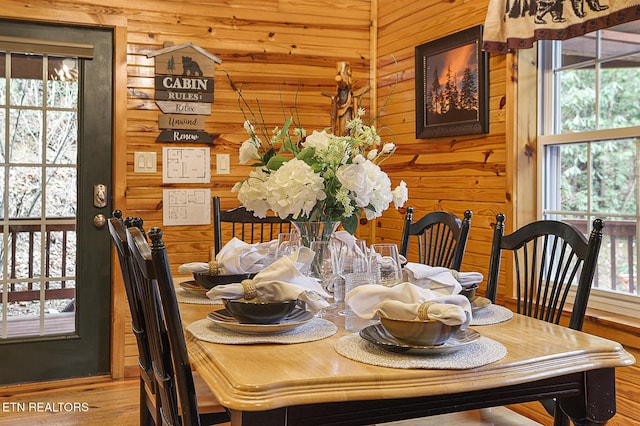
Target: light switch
point(222, 164)
point(144, 162)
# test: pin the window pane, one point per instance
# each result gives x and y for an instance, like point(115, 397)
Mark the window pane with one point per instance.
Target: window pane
point(25, 132)
point(618, 102)
point(62, 86)
point(577, 100)
point(620, 40)
point(24, 192)
point(3, 80)
point(62, 137)
point(577, 50)
point(613, 176)
point(26, 80)
point(26, 244)
point(3, 116)
point(2, 194)
point(61, 194)
point(567, 178)
point(616, 264)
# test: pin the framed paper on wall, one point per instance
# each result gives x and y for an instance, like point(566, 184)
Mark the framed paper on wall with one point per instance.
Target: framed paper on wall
point(452, 87)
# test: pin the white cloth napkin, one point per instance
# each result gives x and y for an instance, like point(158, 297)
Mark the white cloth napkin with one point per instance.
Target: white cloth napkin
point(443, 280)
point(236, 257)
point(282, 280)
point(403, 302)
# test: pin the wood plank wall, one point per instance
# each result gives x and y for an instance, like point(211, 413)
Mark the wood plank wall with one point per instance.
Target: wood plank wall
point(469, 172)
point(285, 52)
point(282, 53)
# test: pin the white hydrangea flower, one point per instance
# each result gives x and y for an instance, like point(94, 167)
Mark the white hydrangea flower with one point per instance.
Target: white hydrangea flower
point(294, 189)
point(381, 185)
point(317, 140)
point(252, 192)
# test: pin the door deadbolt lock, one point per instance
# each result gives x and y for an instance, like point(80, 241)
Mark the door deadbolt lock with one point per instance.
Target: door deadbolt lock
point(99, 196)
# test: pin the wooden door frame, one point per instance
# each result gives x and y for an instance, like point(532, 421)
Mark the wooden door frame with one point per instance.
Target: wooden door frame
point(16, 10)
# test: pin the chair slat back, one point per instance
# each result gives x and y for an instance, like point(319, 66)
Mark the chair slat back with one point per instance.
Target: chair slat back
point(549, 257)
point(441, 238)
point(118, 234)
point(242, 224)
point(168, 347)
point(178, 345)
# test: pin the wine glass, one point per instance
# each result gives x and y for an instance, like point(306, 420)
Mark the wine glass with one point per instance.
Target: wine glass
point(351, 257)
point(385, 263)
point(288, 243)
point(323, 267)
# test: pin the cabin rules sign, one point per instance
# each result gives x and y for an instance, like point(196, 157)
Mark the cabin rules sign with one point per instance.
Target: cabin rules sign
point(184, 92)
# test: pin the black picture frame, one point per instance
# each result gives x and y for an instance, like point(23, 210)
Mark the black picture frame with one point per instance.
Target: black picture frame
point(459, 60)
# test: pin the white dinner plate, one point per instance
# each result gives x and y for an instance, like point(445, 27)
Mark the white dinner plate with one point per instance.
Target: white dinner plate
point(296, 318)
point(377, 335)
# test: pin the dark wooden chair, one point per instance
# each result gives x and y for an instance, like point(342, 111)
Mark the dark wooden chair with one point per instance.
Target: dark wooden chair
point(242, 224)
point(441, 237)
point(175, 386)
point(148, 403)
point(549, 258)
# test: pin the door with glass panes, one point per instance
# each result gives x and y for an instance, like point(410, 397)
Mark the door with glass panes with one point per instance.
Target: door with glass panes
point(56, 90)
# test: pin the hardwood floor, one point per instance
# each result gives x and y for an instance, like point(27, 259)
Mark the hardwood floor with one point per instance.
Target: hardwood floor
point(99, 401)
point(105, 402)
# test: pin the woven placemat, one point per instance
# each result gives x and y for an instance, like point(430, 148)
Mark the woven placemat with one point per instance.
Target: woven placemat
point(316, 329)
point(481, 352)
point(184, 296)
point(492, 314)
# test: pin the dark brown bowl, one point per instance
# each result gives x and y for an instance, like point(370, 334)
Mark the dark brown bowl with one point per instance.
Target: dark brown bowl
point(419, 332)
point(469, 292)
point(209, 281)
point(259, 312)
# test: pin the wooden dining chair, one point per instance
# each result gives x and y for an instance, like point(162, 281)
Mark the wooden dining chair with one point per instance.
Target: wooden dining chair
point(441, 237)
point(554, 267)
point(175, 386)
point(242, 224)
point(148, 397)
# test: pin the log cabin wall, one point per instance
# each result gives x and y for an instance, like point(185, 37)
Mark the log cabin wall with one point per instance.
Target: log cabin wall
point(486, 173)
point(489, 173)
point(284, 52)
point(281, 52)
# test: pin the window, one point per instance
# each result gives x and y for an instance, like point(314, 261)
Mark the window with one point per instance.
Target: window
point(589, 144)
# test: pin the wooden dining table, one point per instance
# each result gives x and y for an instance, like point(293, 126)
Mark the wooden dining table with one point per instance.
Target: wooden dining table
point(312, 384)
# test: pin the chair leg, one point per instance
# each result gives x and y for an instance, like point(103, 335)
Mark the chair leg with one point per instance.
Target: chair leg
point(559, 417)
point(146, 419)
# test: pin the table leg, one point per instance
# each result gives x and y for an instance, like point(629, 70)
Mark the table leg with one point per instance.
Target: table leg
point(597, 404)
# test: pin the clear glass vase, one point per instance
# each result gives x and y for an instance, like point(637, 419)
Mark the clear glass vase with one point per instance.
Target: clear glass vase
point(315, 231)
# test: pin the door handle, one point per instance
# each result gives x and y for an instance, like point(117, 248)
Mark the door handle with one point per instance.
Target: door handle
point(99, 220)
point(99, 196)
